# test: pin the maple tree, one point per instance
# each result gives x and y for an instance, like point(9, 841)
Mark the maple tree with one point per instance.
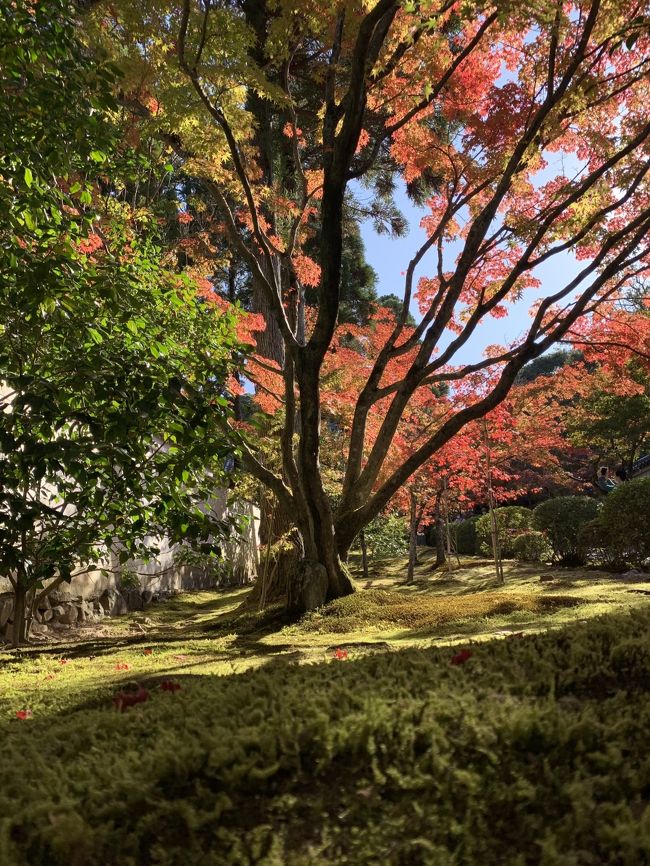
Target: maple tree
point(475, 98)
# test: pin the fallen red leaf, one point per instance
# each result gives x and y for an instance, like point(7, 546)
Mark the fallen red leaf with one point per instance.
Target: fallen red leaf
point(23, 714)
point(461, 657)
point(123, 700)
point(148, 651)
point(63, 661)
point(340, 654)
point(121, 666)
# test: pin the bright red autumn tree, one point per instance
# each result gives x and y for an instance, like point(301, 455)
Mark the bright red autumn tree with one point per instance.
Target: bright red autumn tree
point(481, 101)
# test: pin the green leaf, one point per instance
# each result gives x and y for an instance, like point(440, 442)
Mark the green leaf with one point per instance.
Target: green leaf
point(98, 156)
point(29, 177)
point(95, 336)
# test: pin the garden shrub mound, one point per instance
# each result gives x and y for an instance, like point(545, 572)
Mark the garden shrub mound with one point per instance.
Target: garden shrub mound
point(385, 609)
point(511, 520)
point(532, 751)
point(561, 519)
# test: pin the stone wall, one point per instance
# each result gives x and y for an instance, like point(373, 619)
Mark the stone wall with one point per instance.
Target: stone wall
point(104, 591)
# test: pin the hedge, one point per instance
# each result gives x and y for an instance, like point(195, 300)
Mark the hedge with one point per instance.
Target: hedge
point(626, 518)
point(511, 521)
point(464, 536)
point(521, 751)
point(561, 520)
point(531, 546)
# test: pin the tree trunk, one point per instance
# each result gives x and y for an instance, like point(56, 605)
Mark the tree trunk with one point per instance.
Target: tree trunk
point(441, 556)
point(364, 554)
point(279, 555)
point(494, 530)
point(413, 540)
point(496, 547)
point(19, 629)
point(321, 578)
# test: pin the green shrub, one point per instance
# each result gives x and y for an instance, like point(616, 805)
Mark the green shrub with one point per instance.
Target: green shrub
point(595, 543)
point(464, 537)
point(512, 520)
point(625, 517)
point(387, 536)
point(534, 751)
point(531, 546)
point(561, 519)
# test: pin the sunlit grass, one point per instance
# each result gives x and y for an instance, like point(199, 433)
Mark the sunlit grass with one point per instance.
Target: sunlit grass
point(205, 633)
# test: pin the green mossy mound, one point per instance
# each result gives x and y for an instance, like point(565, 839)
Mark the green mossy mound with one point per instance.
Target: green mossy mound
point(381, 608)
point(535, 751)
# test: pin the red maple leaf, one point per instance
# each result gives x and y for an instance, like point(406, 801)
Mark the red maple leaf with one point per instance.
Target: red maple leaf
point(123, 700)
point(23, 714)
point(461, 657)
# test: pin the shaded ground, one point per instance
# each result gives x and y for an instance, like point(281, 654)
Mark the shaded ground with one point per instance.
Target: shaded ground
point(517, 752)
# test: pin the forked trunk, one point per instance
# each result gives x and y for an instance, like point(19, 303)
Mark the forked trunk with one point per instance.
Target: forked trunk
point(306, 571)
point(322, 575)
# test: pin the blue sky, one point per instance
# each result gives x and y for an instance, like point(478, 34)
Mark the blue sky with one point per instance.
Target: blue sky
point(389, 257)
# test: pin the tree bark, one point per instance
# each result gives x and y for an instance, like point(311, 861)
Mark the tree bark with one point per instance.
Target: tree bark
point(441, 556)
point(279, 555)
point(19, 629)
point(413, 539)
point(364, 554)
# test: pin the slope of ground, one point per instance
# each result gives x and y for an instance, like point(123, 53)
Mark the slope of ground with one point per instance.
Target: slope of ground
point(396, 750)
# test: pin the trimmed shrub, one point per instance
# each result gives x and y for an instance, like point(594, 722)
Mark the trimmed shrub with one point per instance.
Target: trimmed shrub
point(464, 537)
point(625, 517)
point(594, 541)
point(512, 520)
point(561, 519)
point(531, 546)
point(387, 536)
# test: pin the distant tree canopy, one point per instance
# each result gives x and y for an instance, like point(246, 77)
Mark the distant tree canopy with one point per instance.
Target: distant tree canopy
point(548, 364)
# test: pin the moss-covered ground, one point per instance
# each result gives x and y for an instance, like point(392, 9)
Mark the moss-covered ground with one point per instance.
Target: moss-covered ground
point(274, 751)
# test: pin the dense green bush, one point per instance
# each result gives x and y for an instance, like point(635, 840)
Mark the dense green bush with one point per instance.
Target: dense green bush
point(532, 752)
point(464, 537)
point(561, 519)
point(531, 546)
point(594, 541)
point(387, 536)
point(512, 520)
point(625, 517)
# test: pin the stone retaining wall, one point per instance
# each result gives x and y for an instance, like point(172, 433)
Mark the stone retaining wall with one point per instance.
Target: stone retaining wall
point(104, 591)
